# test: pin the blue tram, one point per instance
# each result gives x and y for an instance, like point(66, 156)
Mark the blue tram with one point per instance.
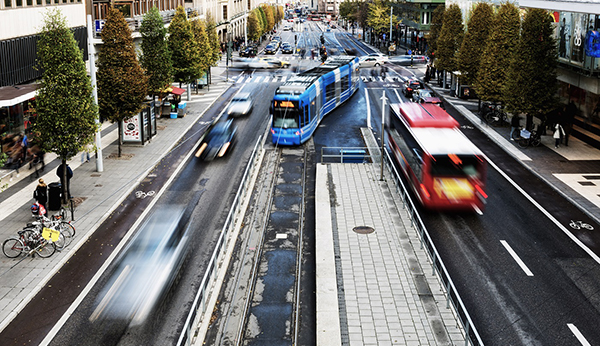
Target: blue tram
point(300, 103)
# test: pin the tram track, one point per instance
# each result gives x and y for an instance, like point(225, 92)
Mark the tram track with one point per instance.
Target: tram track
point(261, 299)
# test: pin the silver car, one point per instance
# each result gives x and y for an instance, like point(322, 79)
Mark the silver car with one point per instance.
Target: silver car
point(241, 104)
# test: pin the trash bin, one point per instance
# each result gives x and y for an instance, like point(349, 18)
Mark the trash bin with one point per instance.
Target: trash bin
point(54, 196)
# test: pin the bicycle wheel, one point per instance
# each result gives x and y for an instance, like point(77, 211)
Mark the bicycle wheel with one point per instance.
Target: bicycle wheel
point(536, 141)
point(523, 142)
point(12, 247)
point(61, 242)
point(67, 228)
point(516, 135)
point(44, 248)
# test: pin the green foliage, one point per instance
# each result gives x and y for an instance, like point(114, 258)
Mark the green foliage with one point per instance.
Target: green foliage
point(185, 52)
point(471, 51)
point(254, 27)
point(268, 10)
point(122, 85)
point(213, 39)
point(280, 14)
point(379, 17)
point(263, 17)
point(500, 47)
point(434, 30)
point(450, 39)
point(199, 30)
point(65, 107)
point(363, 13)
point(349, 10)
point(531, 85)
point(156, 57)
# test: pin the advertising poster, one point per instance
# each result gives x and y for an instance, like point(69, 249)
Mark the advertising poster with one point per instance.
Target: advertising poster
point(564, 35)
point(578, 39)
point(131, 129)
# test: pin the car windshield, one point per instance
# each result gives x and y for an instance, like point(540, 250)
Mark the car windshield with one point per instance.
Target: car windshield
point(425, 93)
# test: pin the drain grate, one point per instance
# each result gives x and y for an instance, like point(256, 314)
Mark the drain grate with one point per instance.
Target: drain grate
point(363, 229)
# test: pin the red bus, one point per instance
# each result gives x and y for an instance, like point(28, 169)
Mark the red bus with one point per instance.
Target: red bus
point(446, 171)
point(314, 17)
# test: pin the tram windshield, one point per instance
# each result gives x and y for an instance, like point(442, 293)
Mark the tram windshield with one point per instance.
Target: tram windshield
point(286, 114)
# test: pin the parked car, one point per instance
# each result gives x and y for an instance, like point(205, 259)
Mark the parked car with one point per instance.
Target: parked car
point(370, 61)
point(426, 96)
point(410, 86)
point(404, 60)
point(218, 141)
point(241, 104)
point(270, 49)
point(287, 48)
point(287, 28)
point(248, 52)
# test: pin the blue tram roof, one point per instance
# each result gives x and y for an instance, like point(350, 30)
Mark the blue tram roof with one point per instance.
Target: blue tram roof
point(300, 82)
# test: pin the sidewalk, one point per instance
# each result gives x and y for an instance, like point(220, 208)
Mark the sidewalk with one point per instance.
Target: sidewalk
point(96, 194)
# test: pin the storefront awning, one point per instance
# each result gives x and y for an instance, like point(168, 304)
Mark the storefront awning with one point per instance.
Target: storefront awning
point(177, 91)
point(12, 95)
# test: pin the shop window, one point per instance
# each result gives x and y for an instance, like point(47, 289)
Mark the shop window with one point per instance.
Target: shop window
point(7, 3)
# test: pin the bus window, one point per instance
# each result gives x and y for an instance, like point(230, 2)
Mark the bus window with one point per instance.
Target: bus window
point(304, 116)
point(455, 166)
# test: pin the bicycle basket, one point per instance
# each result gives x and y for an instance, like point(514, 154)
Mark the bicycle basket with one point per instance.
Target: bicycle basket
point(525, 134)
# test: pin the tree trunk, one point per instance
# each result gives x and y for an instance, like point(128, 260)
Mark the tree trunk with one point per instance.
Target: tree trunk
point(64, 182)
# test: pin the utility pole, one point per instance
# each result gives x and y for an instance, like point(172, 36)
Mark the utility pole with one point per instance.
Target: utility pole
point(92, 59)
point(383, 99)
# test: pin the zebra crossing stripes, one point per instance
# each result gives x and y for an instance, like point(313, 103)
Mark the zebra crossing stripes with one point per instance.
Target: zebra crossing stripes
point(260, 79)
point(388, 79)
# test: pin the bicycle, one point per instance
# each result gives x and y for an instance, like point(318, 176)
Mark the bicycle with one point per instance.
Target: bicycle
point(492, 113)
point(29, 241)
point(57, 223)
point(528, 138)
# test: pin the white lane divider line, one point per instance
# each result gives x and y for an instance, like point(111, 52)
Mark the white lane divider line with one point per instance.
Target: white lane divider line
point(578, 334)
point(516, 258)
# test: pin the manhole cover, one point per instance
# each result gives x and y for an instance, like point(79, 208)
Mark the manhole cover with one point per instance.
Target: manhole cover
point(363, 229)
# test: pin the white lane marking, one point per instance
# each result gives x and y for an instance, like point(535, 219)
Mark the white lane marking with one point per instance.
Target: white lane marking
point(545, 212)
point(398, 96)
point(516, 258)
point(578, 334)
point(368, 108)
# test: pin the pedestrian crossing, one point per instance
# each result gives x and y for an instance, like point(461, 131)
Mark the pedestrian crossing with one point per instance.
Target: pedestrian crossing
point(387, 79)
point(244, 79)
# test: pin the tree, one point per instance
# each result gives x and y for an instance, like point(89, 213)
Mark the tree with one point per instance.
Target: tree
point(379, 17)
point(348, 10)
point(450, 39)
point(471, 50)
point(531, 86)
point(122, 85)
point(213, 40)
point(185, 52)
point(254, 27)
point(65, 107)
point(268, 10)
point(201, 37)
point(434, 31)
point(363, 15)
point(156, 57)
point(263, 17)
point(500, 46)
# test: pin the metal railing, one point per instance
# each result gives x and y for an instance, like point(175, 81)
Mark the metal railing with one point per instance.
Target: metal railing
point(204, 292)
point(437, 265)
point(349, 155)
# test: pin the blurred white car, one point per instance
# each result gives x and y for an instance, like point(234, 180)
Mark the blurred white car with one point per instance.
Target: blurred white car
point(370, 61)
point(241, 104)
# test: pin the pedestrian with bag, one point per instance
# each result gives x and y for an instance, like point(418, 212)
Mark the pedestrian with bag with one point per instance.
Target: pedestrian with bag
point(558, 134)
point(41, 195)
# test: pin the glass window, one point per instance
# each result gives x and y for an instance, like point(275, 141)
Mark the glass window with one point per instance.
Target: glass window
point(7, 3)
point(345, 83)
point(286, 114)
point(19, 3)
point(455, 166)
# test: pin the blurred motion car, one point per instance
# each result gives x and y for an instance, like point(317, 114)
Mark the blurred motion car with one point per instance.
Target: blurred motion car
point(404, 60)
point(241, 104)
point(410, 86)
point(370, 61)
point(270, 49)
point(426, 96)
point(273, 62)
point(286, 48)
point(218, 141)
point(146, 268)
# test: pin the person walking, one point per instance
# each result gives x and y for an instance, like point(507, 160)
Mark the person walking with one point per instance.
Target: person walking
point(515, 123)
point(558, 134)
point(41, 195)
point(59, 173)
